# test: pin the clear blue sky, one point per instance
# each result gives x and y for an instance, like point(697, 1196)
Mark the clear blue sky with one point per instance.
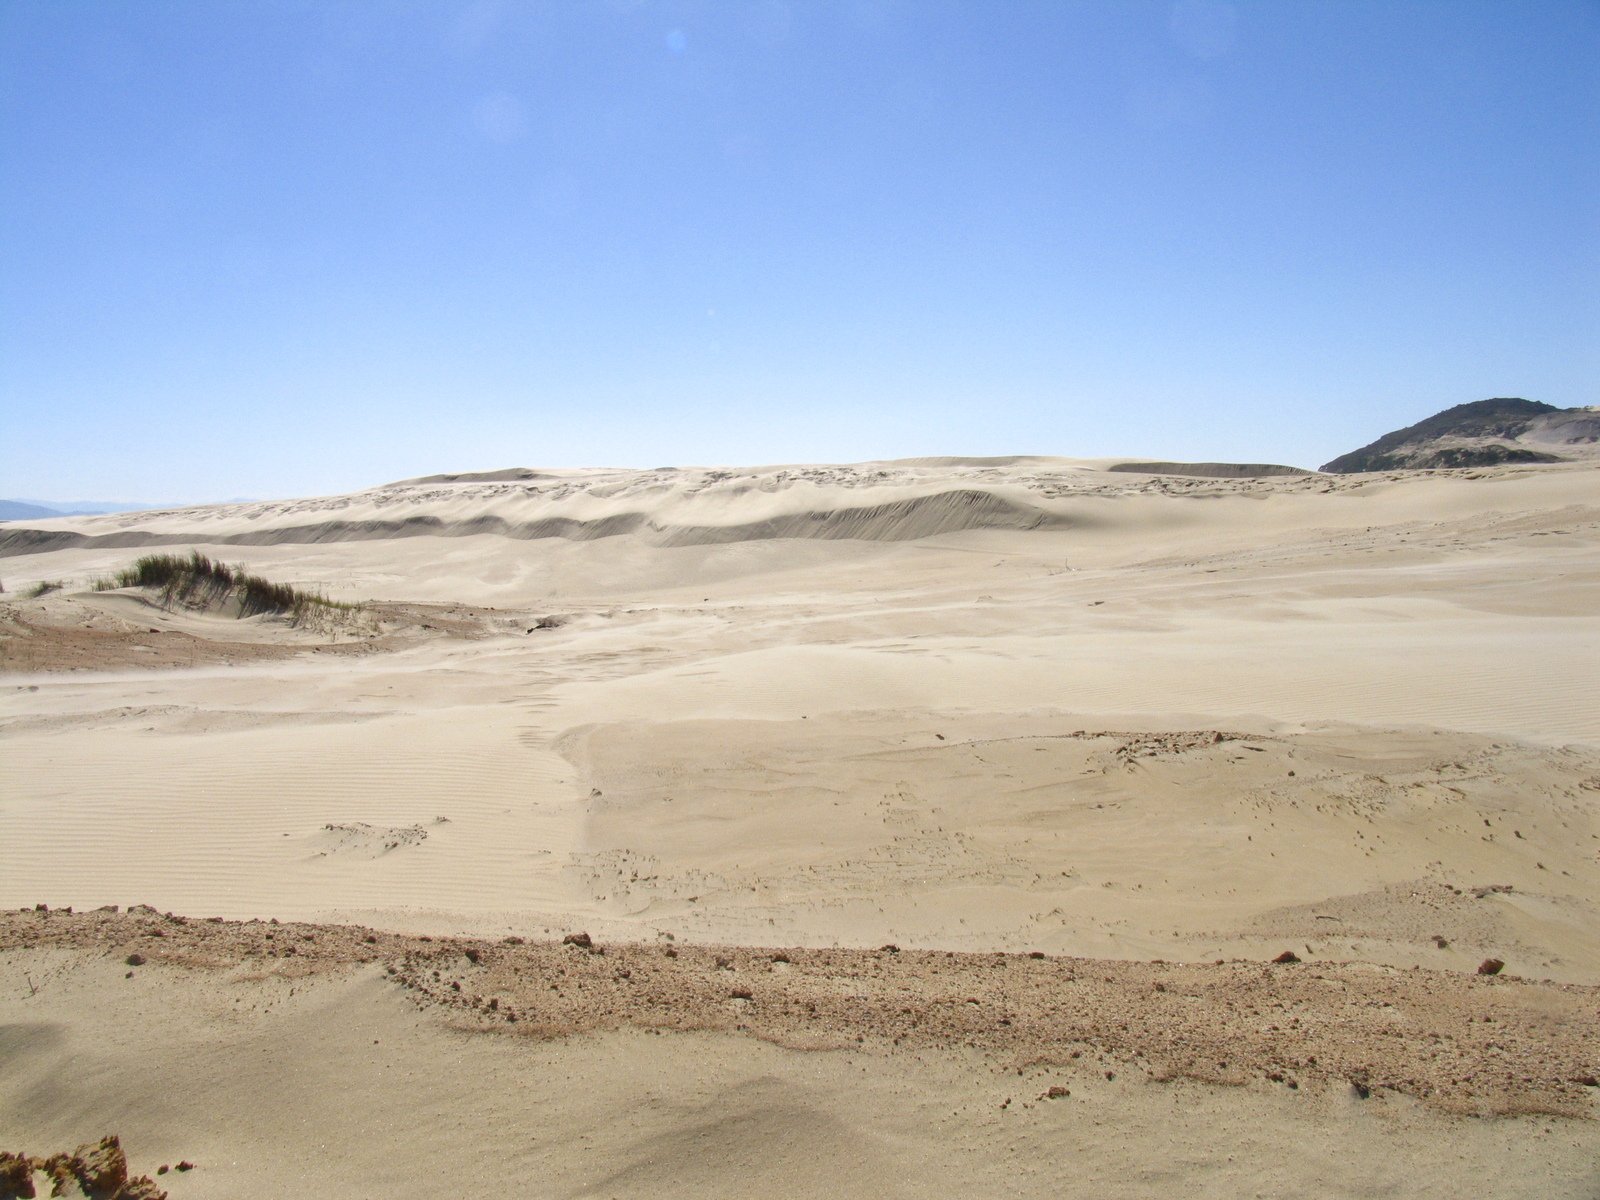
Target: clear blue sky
point(275, 248)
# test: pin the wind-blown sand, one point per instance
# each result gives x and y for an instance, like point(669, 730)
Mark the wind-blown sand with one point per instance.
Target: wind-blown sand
point(962, 705)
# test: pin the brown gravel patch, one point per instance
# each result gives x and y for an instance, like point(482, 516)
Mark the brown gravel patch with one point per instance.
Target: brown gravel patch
point(54, 637)
point(1487, 1045)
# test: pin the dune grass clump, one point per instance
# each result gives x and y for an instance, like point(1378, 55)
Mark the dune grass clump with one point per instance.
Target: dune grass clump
point(44, 587)
point(203, 579)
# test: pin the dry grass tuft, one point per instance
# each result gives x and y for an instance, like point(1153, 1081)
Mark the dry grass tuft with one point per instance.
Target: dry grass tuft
point(198, 578)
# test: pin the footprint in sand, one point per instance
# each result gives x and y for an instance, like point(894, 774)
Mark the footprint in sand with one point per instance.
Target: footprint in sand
point(357, 839)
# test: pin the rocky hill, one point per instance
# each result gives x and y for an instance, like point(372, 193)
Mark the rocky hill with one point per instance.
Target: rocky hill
point(1486, 432)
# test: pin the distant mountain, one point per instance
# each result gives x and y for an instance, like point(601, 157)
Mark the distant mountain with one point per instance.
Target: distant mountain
point(21, 510)
point(38, 510)
point(1507, 429)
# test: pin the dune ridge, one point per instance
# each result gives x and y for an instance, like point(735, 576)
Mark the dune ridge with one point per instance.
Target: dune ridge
point(953, 511)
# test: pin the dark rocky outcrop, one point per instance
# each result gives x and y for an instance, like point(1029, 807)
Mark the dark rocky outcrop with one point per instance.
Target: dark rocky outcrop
point(1506, 429)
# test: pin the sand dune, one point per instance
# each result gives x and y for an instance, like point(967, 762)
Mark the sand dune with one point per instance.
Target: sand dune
point(898, 501)
point(958, 705)
point(905, 519)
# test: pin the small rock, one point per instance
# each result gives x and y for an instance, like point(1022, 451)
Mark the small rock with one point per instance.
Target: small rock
point(582, 940)
point(142, 1188)
point(1288, 956)
point(1056, 1092)
point(1490, 966)
point(889, 948)
point(135, 960)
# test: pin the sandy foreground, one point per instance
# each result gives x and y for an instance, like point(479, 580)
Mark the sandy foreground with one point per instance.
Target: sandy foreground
point(748, 727)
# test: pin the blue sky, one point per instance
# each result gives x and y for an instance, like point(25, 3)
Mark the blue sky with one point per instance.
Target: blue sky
point(283, 248)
